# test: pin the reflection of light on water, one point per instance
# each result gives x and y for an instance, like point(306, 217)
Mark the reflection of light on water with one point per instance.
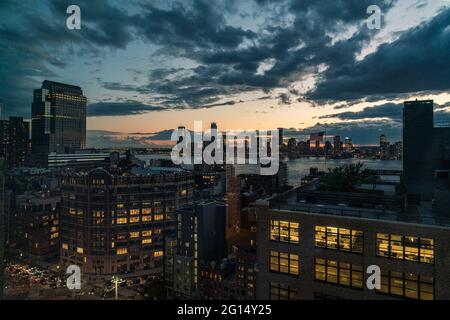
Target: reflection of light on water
point(298, 168)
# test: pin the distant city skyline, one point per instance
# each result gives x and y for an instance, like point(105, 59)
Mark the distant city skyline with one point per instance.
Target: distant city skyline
point(309, 66)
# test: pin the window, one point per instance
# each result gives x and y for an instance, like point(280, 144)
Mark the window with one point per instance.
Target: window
point(122, 220)
point(284, 231)
point(146, 218)
point(405, 248)
point(121, 251)
point(339, 239)
point(344, 274)
point(146, 233)
point(279, 291)
point(80, 250)
point(158, 217)
point(407, 285)
point(65, 246)
point(146, 210)
point(284, 263)
point(134, 212)
point(147, 241)
point(134, 220)
point(158, 254)
point(134, 235)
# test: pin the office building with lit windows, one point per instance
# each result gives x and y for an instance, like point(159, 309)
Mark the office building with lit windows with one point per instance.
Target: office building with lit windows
point(115, 223)
point(58, 120)
point(14, 141)
point(322, 251)
point(34, 221)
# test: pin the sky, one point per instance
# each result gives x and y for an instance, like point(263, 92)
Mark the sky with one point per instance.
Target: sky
point(150, 66)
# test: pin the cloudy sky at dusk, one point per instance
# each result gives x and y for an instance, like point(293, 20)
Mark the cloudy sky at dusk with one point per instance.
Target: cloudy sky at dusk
point(147, 66)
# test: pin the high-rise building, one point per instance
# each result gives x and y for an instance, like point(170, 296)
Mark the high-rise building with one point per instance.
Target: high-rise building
point(2, 227)
point(200, 238)
point(384, 147)
point(14, 141)
point(281, 135)
point(116, 223)
point(348, 145)
point(58, 119)
point(34, 223)
point(418, 147)
point(337, 145)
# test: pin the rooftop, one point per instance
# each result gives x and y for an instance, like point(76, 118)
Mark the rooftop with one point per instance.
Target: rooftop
point(290, 201)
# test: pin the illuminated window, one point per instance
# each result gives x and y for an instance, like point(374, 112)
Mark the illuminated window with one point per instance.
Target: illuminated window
point(65, 246)
point(54, 235)
point(284, 262)
point(407, 285)
point(344, 274)
point(405, 248)
point(157, 254)
point(98, 214)
point(146, 218)
point(158, 217)
point(134, 212)
point(122, 220)
point(147, 241)
point(80, 250)
point(279, 291)
point(120, 206)
point(122, 251)
point(134, 235)
point(147, 233)
point(284, 231)
point(146, 210)
point(339, 239)
point(134, 219)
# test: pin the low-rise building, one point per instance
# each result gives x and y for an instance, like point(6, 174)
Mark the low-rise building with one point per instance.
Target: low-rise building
point(322, 251)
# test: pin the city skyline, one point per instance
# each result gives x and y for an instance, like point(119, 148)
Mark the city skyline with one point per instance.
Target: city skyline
point(146, 68)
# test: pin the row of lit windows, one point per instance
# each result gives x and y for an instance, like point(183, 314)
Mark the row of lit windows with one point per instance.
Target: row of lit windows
point(405, 248)
point(345, 274)
point(133, 212)
point(407, 285)
point(284, 263)
point(388, 245)
point(280, 291)
point(284, 231)
point(156, 217)
point(339, 239)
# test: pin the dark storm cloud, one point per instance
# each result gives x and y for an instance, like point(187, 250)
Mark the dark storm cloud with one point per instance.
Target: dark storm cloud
point(35, 44)
point(389, 110)
point(200, 33)
point(102, 109)
point(418, 61)
point(226, 57)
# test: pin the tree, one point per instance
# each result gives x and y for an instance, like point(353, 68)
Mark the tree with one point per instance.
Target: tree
point(342, 179)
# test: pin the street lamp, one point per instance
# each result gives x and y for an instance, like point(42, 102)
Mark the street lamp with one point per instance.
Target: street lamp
point(116, 280)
